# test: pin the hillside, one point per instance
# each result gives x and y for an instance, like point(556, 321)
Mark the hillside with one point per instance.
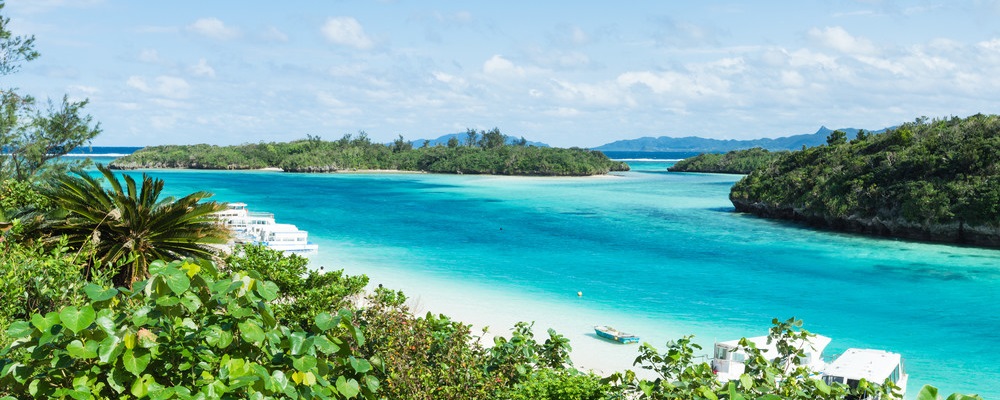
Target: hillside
point(705, 145)
point(935, 181)
point(733, 162)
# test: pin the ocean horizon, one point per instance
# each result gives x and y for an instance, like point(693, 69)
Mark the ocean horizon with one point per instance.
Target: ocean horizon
point(654, 253)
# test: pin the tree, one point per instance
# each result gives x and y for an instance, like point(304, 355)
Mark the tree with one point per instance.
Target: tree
point(492, 139)
point(129, 227)
point(836, 137)
point(401, 144)
point(452, 142)
point(470, 137)
point(32, 137)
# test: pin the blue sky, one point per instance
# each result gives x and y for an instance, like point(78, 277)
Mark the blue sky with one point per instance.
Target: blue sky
point(580, 73)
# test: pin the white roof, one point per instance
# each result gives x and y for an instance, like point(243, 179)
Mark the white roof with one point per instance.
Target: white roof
point(816, 343)
point(872, 365)
point(280, 228)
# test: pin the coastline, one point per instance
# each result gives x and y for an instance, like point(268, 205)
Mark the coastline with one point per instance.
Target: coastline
point(498, 311)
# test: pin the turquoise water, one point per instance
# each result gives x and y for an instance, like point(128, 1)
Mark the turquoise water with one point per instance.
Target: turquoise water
point(662, 248)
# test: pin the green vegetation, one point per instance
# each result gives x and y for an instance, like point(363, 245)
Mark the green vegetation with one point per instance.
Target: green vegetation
point(128, 226)
point(186, 331)
point(484, 152)
point(933, 180)
point(733, 162)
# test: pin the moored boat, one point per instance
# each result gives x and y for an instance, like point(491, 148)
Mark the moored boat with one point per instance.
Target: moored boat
point(608, 332)
point(875, 366)
point(728, 359)
point(261, 228)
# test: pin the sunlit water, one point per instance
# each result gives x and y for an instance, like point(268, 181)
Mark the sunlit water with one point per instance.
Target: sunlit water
point(662, 250)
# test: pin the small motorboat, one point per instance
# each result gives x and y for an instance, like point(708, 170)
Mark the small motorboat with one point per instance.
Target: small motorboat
point(608, 332)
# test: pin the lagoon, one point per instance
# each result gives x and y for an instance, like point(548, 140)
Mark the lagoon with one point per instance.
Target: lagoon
point(654, 253)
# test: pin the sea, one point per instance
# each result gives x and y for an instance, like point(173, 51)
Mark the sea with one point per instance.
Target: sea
point(660, 254)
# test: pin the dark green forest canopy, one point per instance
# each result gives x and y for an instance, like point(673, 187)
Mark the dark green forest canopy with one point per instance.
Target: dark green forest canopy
point(933, 180)
point(484, 153)
point(733, 162)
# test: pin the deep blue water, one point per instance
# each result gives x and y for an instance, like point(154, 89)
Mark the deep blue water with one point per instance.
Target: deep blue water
point(669, 244)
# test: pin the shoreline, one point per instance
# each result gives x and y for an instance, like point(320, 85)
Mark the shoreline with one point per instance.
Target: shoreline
point(499, 310)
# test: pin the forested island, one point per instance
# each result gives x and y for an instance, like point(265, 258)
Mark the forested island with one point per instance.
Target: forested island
point(733, 162)
point(936, 180)
point(483, 152)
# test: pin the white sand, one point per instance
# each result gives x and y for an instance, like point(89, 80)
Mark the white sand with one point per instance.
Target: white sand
point(499, 310)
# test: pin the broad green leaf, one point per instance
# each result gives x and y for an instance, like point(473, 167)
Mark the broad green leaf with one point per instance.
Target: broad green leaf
point(97, 293)
point(822, 387)
point(136, 364)
point(177, 280)
point(20, 329)
point(140, 388)
point(372, 383)
point(157, 267)
point(77, 319)
point(928, 392)
point(325, 346)
point(296, 340)
point(42, 323)
point(348, 387)
point(746, 382)
point(251, 332)
point(106, 324)
point(325, 321)
point(78, 349)
point(304, 363)
point(109, 349)
point(360, 365)
point(266, 289)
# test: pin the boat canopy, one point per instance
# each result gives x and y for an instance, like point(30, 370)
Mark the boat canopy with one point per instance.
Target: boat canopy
point(868, 364)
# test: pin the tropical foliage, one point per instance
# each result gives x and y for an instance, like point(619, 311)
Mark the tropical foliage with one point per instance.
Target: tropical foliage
point(933, 180)
point(128, 225)
point(484, 153)
point(186, 332)
point(304, 292)
point(733, 162)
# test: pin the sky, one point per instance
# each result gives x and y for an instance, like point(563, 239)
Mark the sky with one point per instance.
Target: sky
point(567, 73)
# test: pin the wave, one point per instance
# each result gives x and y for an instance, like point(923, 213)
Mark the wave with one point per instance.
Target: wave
point(648, 159)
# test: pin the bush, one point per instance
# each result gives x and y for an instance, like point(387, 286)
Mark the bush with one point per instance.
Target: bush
point(186, 332)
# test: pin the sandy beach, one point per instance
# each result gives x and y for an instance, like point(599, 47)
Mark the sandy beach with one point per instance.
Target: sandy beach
point(498, 312)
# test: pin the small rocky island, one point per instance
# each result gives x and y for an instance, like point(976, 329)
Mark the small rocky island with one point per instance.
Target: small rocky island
point(933, 180)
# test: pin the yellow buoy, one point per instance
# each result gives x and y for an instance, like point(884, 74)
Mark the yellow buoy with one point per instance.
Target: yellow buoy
point(580, 294)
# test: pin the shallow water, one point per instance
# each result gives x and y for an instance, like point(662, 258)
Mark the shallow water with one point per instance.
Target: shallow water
point(659, 251)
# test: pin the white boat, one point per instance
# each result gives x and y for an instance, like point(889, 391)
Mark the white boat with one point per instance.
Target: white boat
point(874, 366)
point(261, 228)
point(728, 360)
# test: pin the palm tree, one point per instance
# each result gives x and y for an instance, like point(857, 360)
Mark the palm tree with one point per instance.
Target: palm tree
point(129, 227)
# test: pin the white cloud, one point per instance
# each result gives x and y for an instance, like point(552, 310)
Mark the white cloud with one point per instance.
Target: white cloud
point(213, 28)
point(449, 79)
point(328, 100)
point(202, 69)
point(164, 86)
point(274, 35)
point(792, 78)
point(149, 56)
point(676, 84)
point(499, 66)
point(346, 31)
point(839, 39)
point(85, 90)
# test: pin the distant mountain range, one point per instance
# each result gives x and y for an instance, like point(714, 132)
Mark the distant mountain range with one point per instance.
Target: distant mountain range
point(704, 145)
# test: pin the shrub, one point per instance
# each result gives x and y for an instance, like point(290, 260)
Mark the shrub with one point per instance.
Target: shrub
point(185, 332)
